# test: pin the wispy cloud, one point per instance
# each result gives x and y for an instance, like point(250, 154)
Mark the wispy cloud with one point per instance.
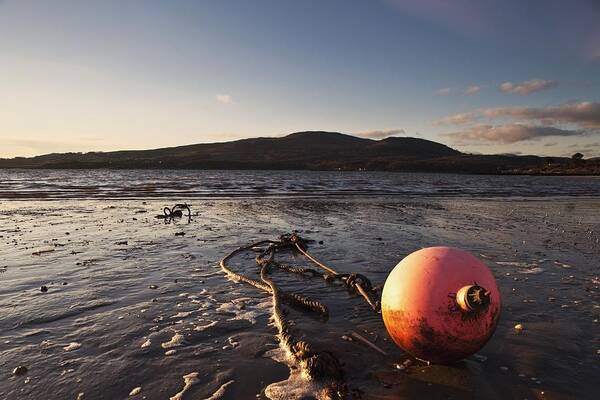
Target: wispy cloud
point(469, 90)
point(585, 114)
point(224, 98)
point(527, 87)
point(456, 119)
point(381, 134)
point(509, 133)
point(473, 89)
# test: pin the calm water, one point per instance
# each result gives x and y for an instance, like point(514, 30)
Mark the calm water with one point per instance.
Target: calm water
point(131, 304)
point(55, 184)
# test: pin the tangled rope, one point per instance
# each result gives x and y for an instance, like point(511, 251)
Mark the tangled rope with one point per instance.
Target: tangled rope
point(358, 282)
point(318, 365)
point(175, 212)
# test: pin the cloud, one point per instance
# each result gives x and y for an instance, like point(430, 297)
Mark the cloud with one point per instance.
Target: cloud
point(473, 89)
point(224, 98)
point(381, 134)
point(510, 133)
point(585, 114)
point(512, 153)
point(469, 90)
point(455, 119)
point(527, 87)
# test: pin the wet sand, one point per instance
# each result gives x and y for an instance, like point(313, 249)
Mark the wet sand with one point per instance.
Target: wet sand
point(131, 307)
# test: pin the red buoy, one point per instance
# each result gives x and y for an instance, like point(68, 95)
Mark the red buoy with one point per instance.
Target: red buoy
point(440, 304)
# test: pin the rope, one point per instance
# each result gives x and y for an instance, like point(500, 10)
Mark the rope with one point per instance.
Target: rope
point(290, 298)
point(319, 365)
point(358, 282)
point(175, 212)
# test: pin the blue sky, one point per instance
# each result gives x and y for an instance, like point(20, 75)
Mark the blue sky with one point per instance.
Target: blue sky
point(481, 76)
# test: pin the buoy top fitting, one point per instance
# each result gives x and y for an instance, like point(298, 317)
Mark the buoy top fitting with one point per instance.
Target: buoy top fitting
point(473, 298)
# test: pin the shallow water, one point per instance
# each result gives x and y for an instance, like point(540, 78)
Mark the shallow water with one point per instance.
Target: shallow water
point(103, 331)
point(113, 184)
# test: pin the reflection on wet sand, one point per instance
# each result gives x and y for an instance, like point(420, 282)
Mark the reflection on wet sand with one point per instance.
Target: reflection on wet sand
point(123, 290)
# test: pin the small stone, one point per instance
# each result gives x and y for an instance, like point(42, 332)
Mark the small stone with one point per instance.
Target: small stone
point(65, 283)
point(519, 327)
point(20, 370)
point(179, 233)
point(170, 352)
point(346, 338)
point(44, 289)
point(152, 287)
point(135, 391)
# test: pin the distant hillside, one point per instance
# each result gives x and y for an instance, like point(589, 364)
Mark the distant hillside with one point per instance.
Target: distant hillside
point(301, 150)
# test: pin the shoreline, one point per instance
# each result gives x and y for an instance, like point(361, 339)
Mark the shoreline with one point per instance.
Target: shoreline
point(401, 171)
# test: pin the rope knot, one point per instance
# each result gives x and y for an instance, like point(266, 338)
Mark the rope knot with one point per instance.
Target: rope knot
point(293, 239)
point(354, 279)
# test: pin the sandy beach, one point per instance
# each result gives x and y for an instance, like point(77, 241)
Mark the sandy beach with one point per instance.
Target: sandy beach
point(299, 200)
point(135, 306)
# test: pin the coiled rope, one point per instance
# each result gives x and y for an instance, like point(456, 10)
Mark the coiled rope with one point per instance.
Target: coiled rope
point(175, 212)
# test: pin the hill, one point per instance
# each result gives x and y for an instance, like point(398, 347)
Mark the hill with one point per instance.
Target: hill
point(314, 150)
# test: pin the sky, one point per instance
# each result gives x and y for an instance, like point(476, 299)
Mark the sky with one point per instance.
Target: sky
point(480, 76)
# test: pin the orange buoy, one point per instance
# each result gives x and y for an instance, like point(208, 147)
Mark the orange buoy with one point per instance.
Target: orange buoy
point(440, 304)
